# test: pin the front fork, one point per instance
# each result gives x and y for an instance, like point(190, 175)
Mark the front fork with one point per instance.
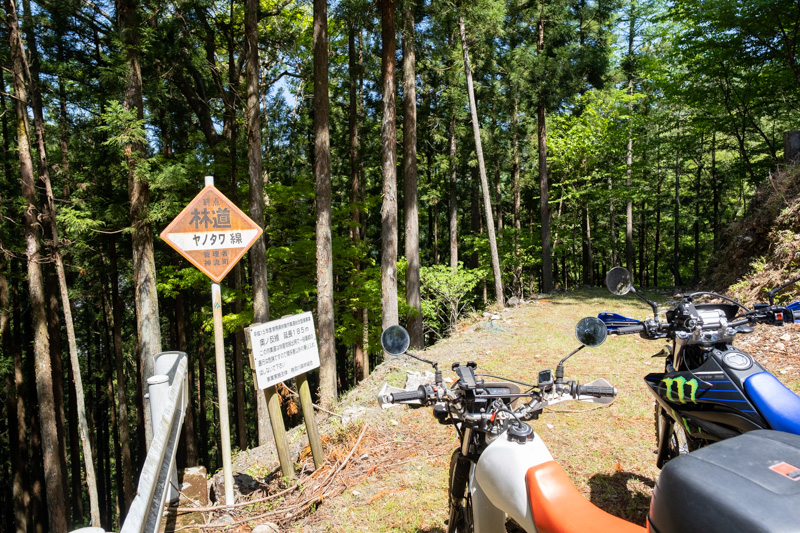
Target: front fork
point(459, 477)
point(664, 437)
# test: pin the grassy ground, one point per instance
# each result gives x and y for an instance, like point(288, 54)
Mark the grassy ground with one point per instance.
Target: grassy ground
point(392, 464)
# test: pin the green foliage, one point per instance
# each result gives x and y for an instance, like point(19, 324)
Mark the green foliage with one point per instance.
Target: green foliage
point(446, 295)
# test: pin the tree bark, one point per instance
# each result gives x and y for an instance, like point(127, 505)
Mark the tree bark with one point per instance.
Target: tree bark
point(676, 255)
point(127, 488)
point(487, 199)
point(544, 208)
point(258, 252)
point(360, 356)
point(322, 172)
point(15, 406)
point(453, 203)
point(411, 211)
point(144, 270)
point(389, 305)
point(189, 433)
point(41, 347)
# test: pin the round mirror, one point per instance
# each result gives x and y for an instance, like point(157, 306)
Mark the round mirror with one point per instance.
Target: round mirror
point(591, 331)
point(619, 281)
point(395, 340)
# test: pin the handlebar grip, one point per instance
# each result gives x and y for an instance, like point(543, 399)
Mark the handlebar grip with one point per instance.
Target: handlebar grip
point(418, 394)
point(630, 329)
point(598, 391)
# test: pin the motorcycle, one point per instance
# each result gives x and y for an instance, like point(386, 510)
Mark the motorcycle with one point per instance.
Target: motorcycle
point(709, 390)
point(503, 470)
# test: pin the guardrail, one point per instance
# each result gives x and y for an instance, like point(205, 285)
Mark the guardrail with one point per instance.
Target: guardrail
point(159, 477)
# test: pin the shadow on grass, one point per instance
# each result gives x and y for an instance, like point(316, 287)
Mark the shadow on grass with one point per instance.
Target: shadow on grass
point(612, 494)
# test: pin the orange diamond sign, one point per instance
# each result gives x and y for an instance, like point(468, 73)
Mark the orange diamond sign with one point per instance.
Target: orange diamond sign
point(212, 233)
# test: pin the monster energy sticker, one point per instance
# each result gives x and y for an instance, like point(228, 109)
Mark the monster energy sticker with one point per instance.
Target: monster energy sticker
point(681, 384)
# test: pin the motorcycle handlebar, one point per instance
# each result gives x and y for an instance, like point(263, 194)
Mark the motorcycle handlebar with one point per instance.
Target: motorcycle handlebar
point(419, 394)
point(625, 330)
point(598, 391)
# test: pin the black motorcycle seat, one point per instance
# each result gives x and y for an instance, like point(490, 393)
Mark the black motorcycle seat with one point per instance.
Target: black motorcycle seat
point(775, 401)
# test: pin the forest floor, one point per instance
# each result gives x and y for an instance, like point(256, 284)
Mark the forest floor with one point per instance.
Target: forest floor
point(386, 469)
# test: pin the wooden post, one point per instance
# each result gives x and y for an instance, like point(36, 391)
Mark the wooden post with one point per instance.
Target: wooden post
point(275, 416)
point(311, 421)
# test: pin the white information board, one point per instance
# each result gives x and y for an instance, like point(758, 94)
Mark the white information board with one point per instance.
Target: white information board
point(283, 349)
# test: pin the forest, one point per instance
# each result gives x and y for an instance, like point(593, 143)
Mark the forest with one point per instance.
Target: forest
point(410, 161)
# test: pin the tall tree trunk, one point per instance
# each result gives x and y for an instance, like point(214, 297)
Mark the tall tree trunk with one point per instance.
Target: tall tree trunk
point(515, 175)
point(44, 176)
point(389, 305)
point(189, 433)
point(544, 207)
point(322, 171)
point(43, 374)
point(586, 247)
point(360, 357)
point(487, 199)
point(258, 252)
point(696, 276)
point(715, 187)
point(15, 402)
point(144, 270)
point(629, 158)
point(453, 204)
point(676, 255)
point(414, 319)
point(119, 367)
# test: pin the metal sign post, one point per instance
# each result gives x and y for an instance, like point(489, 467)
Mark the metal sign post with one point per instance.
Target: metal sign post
point(213, 234)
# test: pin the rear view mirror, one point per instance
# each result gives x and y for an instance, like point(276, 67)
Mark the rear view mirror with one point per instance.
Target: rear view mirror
point(619, 281)
point(395, 340)
point(591, 331)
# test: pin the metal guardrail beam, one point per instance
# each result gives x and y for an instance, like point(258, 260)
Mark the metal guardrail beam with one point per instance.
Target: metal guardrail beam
point(169, 396)
point(147, 508)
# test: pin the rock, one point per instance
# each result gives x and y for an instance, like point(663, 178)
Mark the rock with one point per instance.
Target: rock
point(353, 413)
point(780, 346)
point(224, 520)
point(194, 489)
point(268, 527)
point(494, 317)
point(513, 301)
point(785, 337)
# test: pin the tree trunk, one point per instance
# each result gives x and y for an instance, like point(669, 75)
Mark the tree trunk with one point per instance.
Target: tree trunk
point(697, 218)
point(144, 277)
point(127, 488)
point(715, 187)
point(43, 374)
point(487, 200)
point(15, 403)
point(515, 175)
point(453, 204)
point(258, 252)
point(586, 248)
point(360, 357)
point(322, 171)
point(189, 434)
point(414, 319)
point(676, 256)
point(389, 305)
point(544, 208)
